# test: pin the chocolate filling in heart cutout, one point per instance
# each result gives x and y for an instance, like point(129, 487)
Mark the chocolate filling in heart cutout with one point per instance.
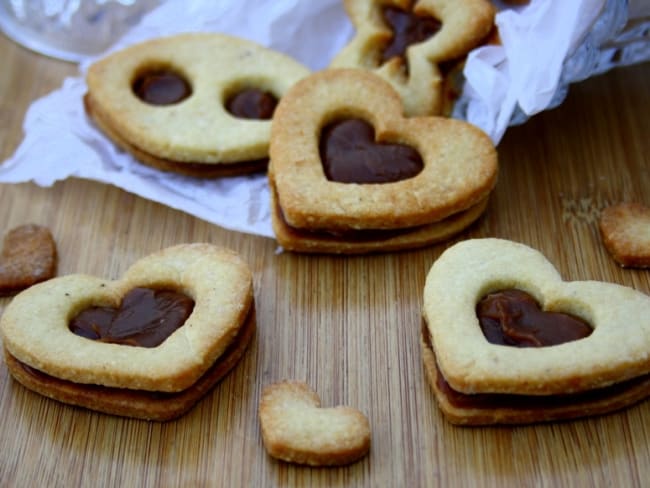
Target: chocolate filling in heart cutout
point(408, 28)
point(514, 318)
point(145, 318)
point(161, 86)
point(350, 154)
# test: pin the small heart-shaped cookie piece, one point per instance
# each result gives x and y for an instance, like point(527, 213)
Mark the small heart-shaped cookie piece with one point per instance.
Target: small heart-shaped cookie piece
point(625, 229)
point(295, 428)
point(28, 257)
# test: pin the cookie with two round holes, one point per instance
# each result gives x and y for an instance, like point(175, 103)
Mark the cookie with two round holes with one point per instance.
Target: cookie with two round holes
point(198, 104)
point(407, 42)
point(350, 174)
point(507, 341)
point(148, 345)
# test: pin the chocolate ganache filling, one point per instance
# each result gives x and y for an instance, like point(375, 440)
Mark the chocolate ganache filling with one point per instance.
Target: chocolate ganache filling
point(145, 318)
point(349, 154)
point(252, 104)
point(162, 87)
point(408, 29)
point(514, 318)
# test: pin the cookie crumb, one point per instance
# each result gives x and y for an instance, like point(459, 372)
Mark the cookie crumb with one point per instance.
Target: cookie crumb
point(625, 230)
point(28, 257)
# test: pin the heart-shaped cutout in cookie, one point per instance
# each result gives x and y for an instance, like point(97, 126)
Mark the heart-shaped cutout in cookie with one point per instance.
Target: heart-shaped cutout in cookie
point(350, 154)
point(28, 256)
point(471, 269)
point(36, 324)
point(404, 42)
point(144, 318)
point(295, 428)
point(514, 318)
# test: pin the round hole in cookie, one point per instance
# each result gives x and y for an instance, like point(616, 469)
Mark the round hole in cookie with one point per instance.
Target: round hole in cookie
point(160, 85)
point(407, 28)
point(251, 103)
point(145, 317)
point(512, 317)
point(350, 154)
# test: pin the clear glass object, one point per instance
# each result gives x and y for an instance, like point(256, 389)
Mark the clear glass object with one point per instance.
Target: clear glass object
point(71, 30)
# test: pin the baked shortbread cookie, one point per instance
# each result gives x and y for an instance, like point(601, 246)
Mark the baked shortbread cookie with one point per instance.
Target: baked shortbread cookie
point(296, 429)
point(507, 341)
point(350, 174)
point(148, 345)
point(28, 256)
point(406, 42)
point(625, 229)
point(198, 104)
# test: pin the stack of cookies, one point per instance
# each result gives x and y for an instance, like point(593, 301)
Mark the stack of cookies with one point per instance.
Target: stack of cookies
point(350, 174)
point(507, 341)
point(149, 345)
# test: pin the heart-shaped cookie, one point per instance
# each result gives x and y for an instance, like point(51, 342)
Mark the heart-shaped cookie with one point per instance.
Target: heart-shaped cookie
point(28, 257)
point(446, 169)
point(404, 42)
point(295, 428)
point(625, 229)
point(197, 104)
point(595, 370)
point(183, 313)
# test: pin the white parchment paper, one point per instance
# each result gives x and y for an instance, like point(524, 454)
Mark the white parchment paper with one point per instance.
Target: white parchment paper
point(60, 142)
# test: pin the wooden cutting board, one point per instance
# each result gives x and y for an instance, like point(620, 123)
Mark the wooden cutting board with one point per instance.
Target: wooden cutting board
point(347, 326)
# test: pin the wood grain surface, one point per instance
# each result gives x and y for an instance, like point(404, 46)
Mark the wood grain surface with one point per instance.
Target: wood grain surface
point(348, 326)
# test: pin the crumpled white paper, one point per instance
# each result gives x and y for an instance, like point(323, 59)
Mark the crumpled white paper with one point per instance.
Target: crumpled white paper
point(525, 69)
point(60, 142)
